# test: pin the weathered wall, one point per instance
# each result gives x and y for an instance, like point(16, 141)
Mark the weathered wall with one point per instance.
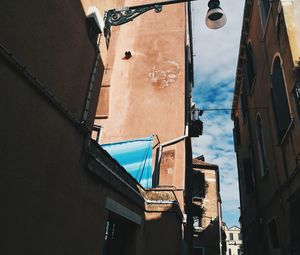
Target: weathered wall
point(50, 202)
point(270, 197)
point(46, 198)
point(162, 233)
point(145, 95)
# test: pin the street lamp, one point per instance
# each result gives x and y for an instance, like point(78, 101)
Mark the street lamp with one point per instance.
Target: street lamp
point(215, 17)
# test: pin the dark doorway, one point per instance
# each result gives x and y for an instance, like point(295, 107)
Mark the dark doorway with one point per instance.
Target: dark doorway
point(119, 236)
point(198, 251)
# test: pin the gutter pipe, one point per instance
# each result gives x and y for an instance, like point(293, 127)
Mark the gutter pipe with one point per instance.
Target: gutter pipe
point(160, 149)
point(91, 86)
point(37, 84)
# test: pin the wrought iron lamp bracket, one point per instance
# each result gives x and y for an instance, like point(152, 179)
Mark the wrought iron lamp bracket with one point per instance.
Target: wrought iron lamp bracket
point(117, 17)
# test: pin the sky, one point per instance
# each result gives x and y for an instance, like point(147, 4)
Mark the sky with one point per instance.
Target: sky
point(215, 61)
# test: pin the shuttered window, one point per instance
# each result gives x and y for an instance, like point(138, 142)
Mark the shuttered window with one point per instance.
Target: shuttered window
point(280, 100)
point(261, 146)
point(250, 71)
point(248, 174)
point(236, 133)
point(244, 105)
point(264, 7)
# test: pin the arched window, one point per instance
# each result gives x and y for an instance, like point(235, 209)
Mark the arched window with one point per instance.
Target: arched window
point(250, 72)
point(280, 100)
point(264, 7)
point(261, 146)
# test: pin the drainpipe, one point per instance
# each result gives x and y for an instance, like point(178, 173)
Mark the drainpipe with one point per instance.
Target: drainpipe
point(219, 201)
point(42, 88)
point(98, 129)
point(220, 226)
point(160, 149)
point(91, 85)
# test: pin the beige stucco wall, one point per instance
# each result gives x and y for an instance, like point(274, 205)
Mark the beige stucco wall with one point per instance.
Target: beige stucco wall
point(235, 244)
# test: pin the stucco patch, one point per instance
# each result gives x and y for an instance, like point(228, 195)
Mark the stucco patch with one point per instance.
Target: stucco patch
point(168, 162)
point(164, 74)
point(287, 2)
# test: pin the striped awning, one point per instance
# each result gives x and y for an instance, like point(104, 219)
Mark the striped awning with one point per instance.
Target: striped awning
point(135, 156)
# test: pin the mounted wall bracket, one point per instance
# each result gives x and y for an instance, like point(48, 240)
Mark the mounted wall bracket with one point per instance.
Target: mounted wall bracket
point(117, 17)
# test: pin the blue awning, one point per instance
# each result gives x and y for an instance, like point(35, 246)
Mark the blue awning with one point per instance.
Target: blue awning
point(135, 156)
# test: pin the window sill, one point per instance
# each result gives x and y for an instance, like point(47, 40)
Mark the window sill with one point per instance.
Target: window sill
point(286, 132)
point(253, 85)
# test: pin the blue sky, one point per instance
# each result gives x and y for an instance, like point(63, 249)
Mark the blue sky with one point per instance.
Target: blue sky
point(215, 60)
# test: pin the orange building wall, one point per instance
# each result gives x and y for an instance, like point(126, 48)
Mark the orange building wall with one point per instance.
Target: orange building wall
point(145, 95)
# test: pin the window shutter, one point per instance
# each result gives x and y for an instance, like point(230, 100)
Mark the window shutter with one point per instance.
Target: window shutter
point(250, 69)
point(280, 100)
point(248, 173)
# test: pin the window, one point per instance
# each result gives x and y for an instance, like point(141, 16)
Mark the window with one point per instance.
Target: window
point(198, 251)
point(198, 184)
point(229, 251)
point(119, 236)
point(273, 234)
point(279, 25)
point(109, 236)
point(244, 104)
point(94, 19)
point(239, 236)
point(231, 236)
point(280, 100)
point(196, 221)
point(261, 146)
point(264, 7)
point(236, 133)
point(250, 71)
point(248, 174)
point(296, 93)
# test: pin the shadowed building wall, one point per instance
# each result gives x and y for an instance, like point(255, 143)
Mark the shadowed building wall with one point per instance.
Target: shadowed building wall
point(46, 64)
point(267, 135)
point(59, 189)
point(208, 233)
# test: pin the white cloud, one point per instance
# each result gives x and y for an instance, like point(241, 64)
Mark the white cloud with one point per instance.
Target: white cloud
point(216, 50)
point(215, 62)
